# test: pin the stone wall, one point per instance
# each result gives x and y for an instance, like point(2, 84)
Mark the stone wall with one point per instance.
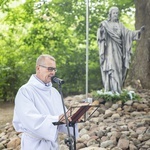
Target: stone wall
point(113, 126)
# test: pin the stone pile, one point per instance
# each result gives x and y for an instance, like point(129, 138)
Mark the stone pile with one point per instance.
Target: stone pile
point(113, 126)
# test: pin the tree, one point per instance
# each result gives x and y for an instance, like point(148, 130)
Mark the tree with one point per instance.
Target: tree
point(140, 68)
point(57, 28)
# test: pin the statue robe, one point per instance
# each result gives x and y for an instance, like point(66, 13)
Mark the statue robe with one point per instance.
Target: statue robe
point(36, 108)
point(115, 53)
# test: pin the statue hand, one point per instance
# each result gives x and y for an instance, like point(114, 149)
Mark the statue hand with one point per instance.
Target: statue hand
point(142, 29)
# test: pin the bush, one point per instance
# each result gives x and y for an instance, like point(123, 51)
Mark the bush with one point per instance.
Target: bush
point(110, 96)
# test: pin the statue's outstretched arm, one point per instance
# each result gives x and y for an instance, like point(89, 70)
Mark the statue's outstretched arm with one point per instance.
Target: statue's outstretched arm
point(142, 28)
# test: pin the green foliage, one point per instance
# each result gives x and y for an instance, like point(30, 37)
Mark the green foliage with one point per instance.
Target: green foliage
point(58, 28)
point(109, 96)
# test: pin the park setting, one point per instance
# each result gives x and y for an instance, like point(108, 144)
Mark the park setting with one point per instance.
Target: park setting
point(57, 55)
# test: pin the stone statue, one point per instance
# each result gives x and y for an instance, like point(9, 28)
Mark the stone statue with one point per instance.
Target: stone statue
point(115, 41)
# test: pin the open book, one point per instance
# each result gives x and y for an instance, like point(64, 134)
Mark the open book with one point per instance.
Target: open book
point(78, 113)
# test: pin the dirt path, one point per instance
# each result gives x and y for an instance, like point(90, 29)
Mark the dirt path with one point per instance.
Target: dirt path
point(6, 113)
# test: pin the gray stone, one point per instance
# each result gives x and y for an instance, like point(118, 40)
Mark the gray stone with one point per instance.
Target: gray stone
point(131, 130)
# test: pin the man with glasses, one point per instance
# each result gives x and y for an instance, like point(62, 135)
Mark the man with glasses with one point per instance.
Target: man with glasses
point(37, 106)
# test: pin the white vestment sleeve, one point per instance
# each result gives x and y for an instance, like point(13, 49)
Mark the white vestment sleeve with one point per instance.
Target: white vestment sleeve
point(31, 120)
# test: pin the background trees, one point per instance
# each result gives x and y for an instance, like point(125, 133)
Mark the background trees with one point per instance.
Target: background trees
point(30, 28)
point(140, 67)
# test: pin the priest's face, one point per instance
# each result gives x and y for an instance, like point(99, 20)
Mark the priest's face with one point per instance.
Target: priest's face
point(46, 70)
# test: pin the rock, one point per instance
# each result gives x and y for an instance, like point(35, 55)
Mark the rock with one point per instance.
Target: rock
point(1, 146)
point(108, 113)
point(141, 130)
point(115, 116)
point(123, 144)
point(15, 142)
point(114, 106)
point(132, 147)
point(108, 143)
point(108, 104)
point(129, 103)
point(93, 148)
point(113, 126)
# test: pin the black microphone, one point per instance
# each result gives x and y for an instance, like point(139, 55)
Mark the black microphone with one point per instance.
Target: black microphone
point(57, 80)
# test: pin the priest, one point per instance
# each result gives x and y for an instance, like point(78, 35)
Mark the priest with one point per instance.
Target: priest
point(37, 105)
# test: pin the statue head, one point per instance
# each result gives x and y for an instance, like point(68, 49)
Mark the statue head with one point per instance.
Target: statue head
point(113, 13)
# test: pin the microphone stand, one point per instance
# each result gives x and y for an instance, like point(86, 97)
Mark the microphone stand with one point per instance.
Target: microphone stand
point(69, 140)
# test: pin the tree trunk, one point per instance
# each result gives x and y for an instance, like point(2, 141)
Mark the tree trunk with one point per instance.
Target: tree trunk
point(140, 67)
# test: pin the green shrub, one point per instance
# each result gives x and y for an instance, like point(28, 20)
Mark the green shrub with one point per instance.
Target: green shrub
point(110, 96)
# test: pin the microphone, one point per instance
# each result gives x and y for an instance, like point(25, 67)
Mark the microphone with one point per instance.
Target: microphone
point(57, 80)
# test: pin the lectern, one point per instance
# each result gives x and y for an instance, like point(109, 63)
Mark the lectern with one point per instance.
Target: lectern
point(79, 114)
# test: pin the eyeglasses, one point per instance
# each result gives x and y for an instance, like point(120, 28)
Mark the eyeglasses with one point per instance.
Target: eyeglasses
point(50, 69)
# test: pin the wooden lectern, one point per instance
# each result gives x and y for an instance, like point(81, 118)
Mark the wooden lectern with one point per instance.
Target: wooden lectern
point(78, 114)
